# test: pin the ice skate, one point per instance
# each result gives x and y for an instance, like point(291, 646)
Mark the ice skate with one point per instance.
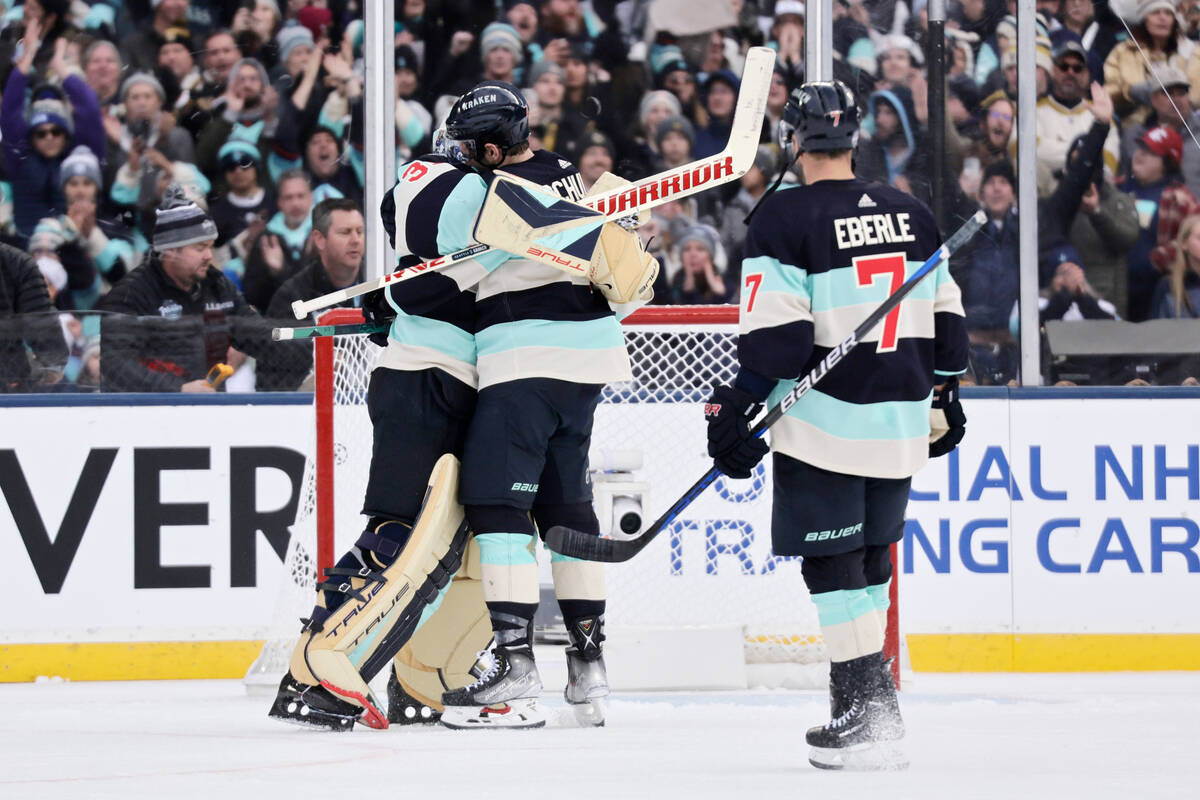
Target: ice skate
point(404, 709)
point(505, 696)
point(866, 735)
point(312, 706)
point(587, 680)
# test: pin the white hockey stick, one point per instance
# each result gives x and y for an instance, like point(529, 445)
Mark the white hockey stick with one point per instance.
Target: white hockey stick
point(673, 184)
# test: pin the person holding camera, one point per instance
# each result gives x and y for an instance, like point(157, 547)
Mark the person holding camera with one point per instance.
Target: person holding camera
point(145, 127)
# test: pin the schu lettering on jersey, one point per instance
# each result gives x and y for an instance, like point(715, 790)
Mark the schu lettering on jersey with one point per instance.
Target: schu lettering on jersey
point(570, 187)
point(871, 229)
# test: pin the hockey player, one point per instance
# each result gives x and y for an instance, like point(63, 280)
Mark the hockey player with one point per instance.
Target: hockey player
point(420, 399)
point(818, 260)
point(547, 343)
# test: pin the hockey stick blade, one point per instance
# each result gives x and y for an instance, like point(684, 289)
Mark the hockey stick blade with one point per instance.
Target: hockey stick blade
point(673, 184)
point(578, 544)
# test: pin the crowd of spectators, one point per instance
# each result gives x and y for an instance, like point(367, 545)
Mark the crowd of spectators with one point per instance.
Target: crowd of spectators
point(251, 112)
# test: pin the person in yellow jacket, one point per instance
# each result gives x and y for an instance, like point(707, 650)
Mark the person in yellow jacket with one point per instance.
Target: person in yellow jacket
point(1162, 40)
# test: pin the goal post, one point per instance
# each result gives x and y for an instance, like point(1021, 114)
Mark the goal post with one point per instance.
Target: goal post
point(712, 568)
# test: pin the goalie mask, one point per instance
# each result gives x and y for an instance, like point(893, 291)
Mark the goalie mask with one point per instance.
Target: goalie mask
point(494, 112)
point(823, 115)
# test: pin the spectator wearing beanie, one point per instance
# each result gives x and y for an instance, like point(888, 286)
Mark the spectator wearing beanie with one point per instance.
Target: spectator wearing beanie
point(720, 97)
point(502, 52)
point(247, 199)
point(673, 74)
point(699, 280)
point(106, 241)
point(413, 121)
point(238, 113)
point(35, 147)
point(1157, 37)
point(675, 139)
point(597, 155)
point(140, 48)
point(296, 45)
point(176, 61)
point(176, 315)
point(146, 126)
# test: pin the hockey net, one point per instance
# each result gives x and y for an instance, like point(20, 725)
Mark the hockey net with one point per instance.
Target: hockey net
point(713, 565)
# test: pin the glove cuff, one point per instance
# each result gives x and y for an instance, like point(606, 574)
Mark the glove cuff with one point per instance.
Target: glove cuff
point(753, 384)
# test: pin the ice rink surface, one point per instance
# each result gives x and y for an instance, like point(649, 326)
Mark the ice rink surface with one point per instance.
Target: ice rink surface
point(1128, 736)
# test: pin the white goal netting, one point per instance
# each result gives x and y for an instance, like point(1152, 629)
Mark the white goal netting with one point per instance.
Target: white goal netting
point(712, 566)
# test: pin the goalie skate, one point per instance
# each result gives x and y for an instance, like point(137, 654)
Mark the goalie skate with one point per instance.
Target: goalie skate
point(505, 696)
point(312, 707)
point(404, 709)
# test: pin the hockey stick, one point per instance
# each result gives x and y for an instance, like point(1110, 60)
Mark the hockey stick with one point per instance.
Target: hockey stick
point(317, 331)
point(578, 544)
point(673, 184)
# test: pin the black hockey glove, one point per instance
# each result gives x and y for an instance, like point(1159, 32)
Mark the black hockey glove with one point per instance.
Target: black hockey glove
point(947, 422)
point(729, 412)
point(378, 311)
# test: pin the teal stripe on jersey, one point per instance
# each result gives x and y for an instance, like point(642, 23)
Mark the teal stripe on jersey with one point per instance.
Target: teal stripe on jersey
point(842, 606)
point(593, 334)
point(457, 220)
point(839, 287)
point(879, 595)
point(889, 421)
point(777, 276)
point(434, 333)
point(506, 549)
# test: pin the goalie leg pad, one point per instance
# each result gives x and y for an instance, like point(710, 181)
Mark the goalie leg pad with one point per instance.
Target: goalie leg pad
point(344, 648)
point(439, 656)
point(620, 267)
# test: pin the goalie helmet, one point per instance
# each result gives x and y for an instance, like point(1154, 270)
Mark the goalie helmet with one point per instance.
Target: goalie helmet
point(823, 116)
point(494, 112)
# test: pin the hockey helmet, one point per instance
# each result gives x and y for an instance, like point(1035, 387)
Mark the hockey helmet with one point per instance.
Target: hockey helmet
point(494, 112)
point(823, 116)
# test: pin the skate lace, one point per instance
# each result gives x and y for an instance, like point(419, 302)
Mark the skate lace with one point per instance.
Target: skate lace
point(493, 667)
point(837, 723)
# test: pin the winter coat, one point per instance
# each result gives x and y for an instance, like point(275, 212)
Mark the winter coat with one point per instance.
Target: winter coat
point(288, 363)
point(162, 337)
point(1103, 241)
point(35, 180)
point(26, 321)
point(1125, 68)
point(989, 275)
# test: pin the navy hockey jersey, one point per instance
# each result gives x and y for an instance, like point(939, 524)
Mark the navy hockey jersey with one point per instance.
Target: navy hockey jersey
point(431, 212)
point(818, 260)
point(536, 321)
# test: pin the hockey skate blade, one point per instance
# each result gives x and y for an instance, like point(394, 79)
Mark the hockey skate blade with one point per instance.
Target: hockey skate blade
point(515, 714)
point(592, 713)
point(870, 757)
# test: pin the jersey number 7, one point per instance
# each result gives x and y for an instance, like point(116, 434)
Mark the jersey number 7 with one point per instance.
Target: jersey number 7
point(867, 269)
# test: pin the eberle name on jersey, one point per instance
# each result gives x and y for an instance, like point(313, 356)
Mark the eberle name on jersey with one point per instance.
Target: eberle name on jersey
point(873, 229)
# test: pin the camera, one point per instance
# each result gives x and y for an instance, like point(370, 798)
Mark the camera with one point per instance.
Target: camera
point(617, 497)
point(140, 129)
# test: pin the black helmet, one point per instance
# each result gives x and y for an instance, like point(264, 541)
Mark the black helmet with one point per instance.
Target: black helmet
point(494, 112)
point(824, 116)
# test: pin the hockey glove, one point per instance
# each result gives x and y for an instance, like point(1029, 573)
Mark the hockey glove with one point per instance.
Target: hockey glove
point(729, 412)
point(947, 422)
point(378, 311)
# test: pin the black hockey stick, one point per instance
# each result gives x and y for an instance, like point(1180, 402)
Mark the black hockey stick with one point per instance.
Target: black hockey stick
point(578, 544)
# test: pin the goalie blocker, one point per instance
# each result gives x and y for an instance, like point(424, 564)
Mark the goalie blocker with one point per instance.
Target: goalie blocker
point(340, 651)
point(524, 218)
